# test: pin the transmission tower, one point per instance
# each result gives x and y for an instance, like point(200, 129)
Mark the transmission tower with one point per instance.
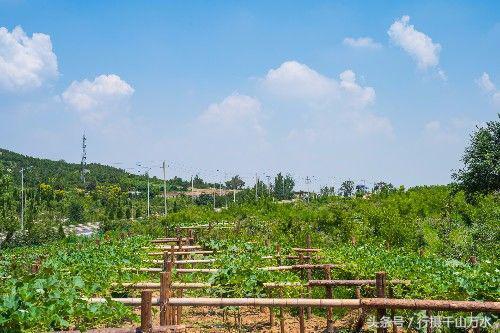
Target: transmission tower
point(84, 158)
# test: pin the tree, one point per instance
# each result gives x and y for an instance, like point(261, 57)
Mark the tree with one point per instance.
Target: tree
point(361, 190)
point(75, 212)
point(289, 184)
point(198, 182)
point(236, 183)
point(327, 191)
point(8, 204)
point(347, 188)
point(481, 171)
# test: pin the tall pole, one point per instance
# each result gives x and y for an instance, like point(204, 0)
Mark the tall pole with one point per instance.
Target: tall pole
point(256, 187)
point(308, 181)
point(268, 185)
point(147, 175)
point(22, 199)
point(165, 187)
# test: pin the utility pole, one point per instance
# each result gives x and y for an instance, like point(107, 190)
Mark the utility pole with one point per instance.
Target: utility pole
point(164, 167)
point(268, 185)
point(308, 181)
point(22, 199)
point(84, 158)
point(146, 168)
point(256, 187)
point(147, 175)
point(225, 194)
point(192, 188)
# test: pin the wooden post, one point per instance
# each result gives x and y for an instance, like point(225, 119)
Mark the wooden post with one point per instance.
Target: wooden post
point(309, 275)
point(166, 260)
point(302, 324)
point(278, 255)
point(179, 308)
point(282, 316)
point(191, 236)
point(380, 283)
point(271, 313)
point(146, 321)
point(165, 284)
point(428, 314)
point(395, 327)
point(329, 295)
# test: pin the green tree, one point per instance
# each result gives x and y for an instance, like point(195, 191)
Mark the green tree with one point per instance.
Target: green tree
point(8, 204)
point(75, 212)
point(481, 171)
point(346, 188)
point(236, 183)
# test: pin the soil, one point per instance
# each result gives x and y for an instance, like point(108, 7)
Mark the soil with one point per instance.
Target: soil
point(215, 320)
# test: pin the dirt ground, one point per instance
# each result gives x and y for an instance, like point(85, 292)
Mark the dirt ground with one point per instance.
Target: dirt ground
point(212, 320)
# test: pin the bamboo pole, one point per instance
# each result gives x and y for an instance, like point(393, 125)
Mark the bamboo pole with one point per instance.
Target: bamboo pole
point(367, 303)
point(380, 283)
point(169, 240)
point(362, 314)
point(302, 324)
point(155, 329)
point(214, 270)
point(146, 320)
point(182, 253)
point(167, 247)
point(297, 249)
point(156, 285)
point(282, 316)
point(353, 283)
point(165, 282)
point(329, 295)
point(188, 261)
point(309, 274)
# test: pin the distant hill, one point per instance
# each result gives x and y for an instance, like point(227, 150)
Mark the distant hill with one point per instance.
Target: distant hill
point(62, 174)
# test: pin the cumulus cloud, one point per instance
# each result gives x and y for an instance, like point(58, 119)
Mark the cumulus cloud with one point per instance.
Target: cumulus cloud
point(362, 42)
point(417, 44)
point(95, 99)
point(234, 110)
point(25, 62)
point(485, 83)
point(293, 80)
point(342, 102)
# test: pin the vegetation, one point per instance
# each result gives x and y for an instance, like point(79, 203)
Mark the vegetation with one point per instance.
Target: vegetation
point(425, 234)
point(481, 172)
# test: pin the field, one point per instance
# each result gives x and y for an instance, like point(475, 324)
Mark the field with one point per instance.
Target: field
point(426, 235)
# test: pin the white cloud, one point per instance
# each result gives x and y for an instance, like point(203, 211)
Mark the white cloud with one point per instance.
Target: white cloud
point(485, 83)
point(362, 42)
point(358, 95)
point(450, 131)
point(234, 110)
point(432, 126)
point(416, 43)
point(25, 62)
point(96, 99)
point(293, 80)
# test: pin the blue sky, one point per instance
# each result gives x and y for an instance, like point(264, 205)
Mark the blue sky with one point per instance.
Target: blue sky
point(325, 89)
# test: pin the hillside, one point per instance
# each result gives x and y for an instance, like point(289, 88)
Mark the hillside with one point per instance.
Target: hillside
point(62, 174)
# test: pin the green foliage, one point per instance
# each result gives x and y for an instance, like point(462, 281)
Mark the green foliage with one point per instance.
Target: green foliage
point(43, 287)
point(481, 172)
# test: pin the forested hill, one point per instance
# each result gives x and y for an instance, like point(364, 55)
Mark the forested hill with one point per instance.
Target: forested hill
point(62, 174)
